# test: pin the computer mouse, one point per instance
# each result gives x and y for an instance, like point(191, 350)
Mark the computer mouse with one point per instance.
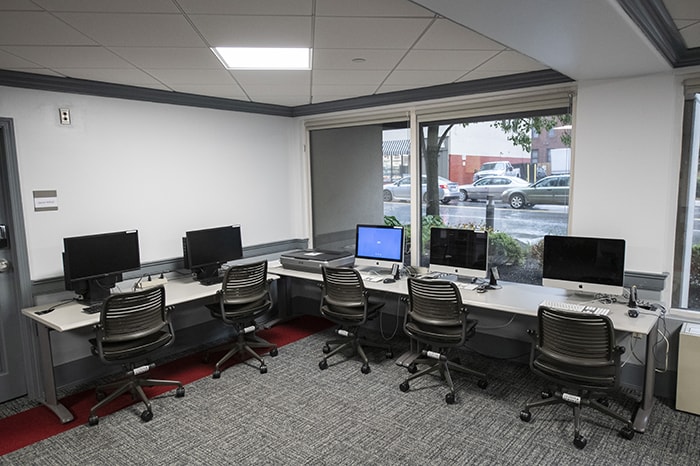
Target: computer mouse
point(389, 280)
point(632, 312)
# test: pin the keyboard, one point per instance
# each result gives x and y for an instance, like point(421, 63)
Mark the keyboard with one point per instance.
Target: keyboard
point(212, 280)
point(572, 307)
point(93, 308)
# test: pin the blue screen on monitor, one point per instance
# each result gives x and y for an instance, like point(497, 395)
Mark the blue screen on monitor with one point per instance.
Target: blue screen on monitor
point(379, 242)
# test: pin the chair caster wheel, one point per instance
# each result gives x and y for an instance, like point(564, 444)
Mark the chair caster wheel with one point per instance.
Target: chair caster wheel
point(273, 352)
point(525, 415)
point(326, 349)
point(263, 369)
point(404, 386)
point(626, 433)
point(180, 392)
point(450, 398)
point(93, 420)
point(412, 368)
point(147, 415)
point(389, 354)
point(323, 365)
point(216, 374)
point(482, 384)
point(545, 394)
point(365, 369)
point(580, 441)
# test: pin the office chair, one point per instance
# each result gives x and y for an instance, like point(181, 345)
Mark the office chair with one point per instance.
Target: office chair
point(132, 326)
point(346, 302)
point(437, 319)
point(576, 354)
point(243, 297)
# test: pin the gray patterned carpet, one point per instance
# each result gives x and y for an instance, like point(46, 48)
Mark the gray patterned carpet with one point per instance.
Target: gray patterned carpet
point(297, 414)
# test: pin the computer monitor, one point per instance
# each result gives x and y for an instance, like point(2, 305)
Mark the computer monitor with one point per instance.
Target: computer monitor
point(379, 246)
point(93, 264)
point(206, 250)
point(584, 265)
point(459, 251)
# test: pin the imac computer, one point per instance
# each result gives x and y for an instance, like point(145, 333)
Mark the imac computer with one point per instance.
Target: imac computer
point(379, 246)
point(206, 250)
point(460, 252)
point(93, 264)
point(584, 265)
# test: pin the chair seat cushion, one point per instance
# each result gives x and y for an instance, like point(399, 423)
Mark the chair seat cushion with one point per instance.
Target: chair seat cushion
point(442, 334)
point(592, 377)
point(245, 311)
point(133, 348)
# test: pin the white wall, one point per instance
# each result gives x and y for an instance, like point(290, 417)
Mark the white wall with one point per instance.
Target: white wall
point(626, 154)
point(158, 168)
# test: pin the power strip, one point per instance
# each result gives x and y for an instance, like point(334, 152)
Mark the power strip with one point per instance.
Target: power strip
point(152, 282)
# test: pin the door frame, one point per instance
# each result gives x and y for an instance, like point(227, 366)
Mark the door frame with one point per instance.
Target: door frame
point(22, 283)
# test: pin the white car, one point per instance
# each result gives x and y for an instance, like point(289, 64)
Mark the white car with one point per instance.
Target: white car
point(489, 186)
point(401, 190)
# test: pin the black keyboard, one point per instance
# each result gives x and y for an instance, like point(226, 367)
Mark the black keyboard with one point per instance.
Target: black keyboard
point(93, 308)
point(211, 280)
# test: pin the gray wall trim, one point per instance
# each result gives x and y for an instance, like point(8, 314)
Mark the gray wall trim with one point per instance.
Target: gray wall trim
point(119, 91)
point(655, 22)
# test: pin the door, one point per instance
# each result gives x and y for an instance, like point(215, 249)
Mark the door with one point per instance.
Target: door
point(12, 376)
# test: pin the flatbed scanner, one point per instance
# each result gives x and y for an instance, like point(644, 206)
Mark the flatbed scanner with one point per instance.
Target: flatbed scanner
point(311, 260)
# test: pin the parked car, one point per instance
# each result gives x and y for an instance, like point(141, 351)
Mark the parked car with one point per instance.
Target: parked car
point(549, 190)
point(401, 190)
point(489, 186)
point(496, 168)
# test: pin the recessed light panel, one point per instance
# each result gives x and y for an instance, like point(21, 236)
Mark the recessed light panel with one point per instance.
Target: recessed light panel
point(263, 58)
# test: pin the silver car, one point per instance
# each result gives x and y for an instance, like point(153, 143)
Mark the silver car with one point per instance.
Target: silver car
point(549, 190)
point(401, 190)
point(489, 186)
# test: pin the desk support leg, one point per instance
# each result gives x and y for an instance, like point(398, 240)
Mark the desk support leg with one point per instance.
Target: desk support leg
point(50, 399)
point(641, 418)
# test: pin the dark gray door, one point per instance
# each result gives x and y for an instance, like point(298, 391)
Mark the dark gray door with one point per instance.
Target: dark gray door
point(12, 377)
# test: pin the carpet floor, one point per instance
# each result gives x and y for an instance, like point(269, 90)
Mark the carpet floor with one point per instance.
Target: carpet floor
point(300, 415)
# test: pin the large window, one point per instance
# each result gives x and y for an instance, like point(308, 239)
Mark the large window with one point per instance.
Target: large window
point(686, 276)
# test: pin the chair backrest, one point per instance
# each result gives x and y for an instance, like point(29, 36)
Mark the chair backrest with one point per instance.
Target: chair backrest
point(245, 283)
point(435, 302)
point(343, 287)
point(577, 347)
point(132, 315)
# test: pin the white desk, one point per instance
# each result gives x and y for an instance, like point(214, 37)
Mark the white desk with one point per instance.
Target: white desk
point(70, 316)
point(517, 298)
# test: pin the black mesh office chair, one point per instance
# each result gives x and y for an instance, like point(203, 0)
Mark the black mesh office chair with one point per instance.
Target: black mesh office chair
point(346, 302)
point(437, 319)
point(244, 296)
point(576, 354)
point(132, 326)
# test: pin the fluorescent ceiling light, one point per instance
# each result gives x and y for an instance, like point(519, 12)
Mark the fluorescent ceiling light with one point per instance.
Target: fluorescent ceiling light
point(262, 58)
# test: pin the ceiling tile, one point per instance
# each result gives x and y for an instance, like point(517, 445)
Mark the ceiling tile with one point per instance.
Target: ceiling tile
point(69, 57)
point(444, 34)
point(131, 77)
point(368, 33)
point(341, 59)
point(109, 6)
point(511, 61)
point(38, 28)
point(184, 76)
point(227, 91)
point(20, 5)
point(350, 77)
point(254, 31)
point(422, 78)
point(464, 60)
point(169, 57)
point(367, 8)
point(9, 61)
point(691, 35)
point(276, 78)
point(246, 7)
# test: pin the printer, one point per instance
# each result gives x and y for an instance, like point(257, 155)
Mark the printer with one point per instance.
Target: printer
point(311, 260)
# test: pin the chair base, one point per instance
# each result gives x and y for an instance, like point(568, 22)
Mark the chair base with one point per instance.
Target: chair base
point(583, 398)
point(350, 339)
point(133, 384)
point(440, 363)
point(245, 344)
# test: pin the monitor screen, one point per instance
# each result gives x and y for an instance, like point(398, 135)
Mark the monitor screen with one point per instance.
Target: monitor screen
point(581, 264)
point(207, 249)
point(459, 251)
point(379, 245)
point(93, 264)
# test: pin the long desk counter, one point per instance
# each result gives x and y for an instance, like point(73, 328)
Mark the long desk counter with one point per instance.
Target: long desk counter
point(523, 299)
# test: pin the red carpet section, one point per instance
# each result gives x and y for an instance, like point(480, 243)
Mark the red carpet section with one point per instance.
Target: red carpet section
point(39, 423)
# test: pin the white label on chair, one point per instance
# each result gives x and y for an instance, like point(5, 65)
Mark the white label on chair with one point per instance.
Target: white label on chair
point(141, 370)
point(343, 333)
point(433, 354)
point(571, 398)
point(249, 329)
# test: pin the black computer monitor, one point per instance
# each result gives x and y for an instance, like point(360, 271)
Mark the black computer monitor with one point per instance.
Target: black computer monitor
point(93, 264)
point(459, 251)
point(583, 264)
point(379, 246)
point(205, 250)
